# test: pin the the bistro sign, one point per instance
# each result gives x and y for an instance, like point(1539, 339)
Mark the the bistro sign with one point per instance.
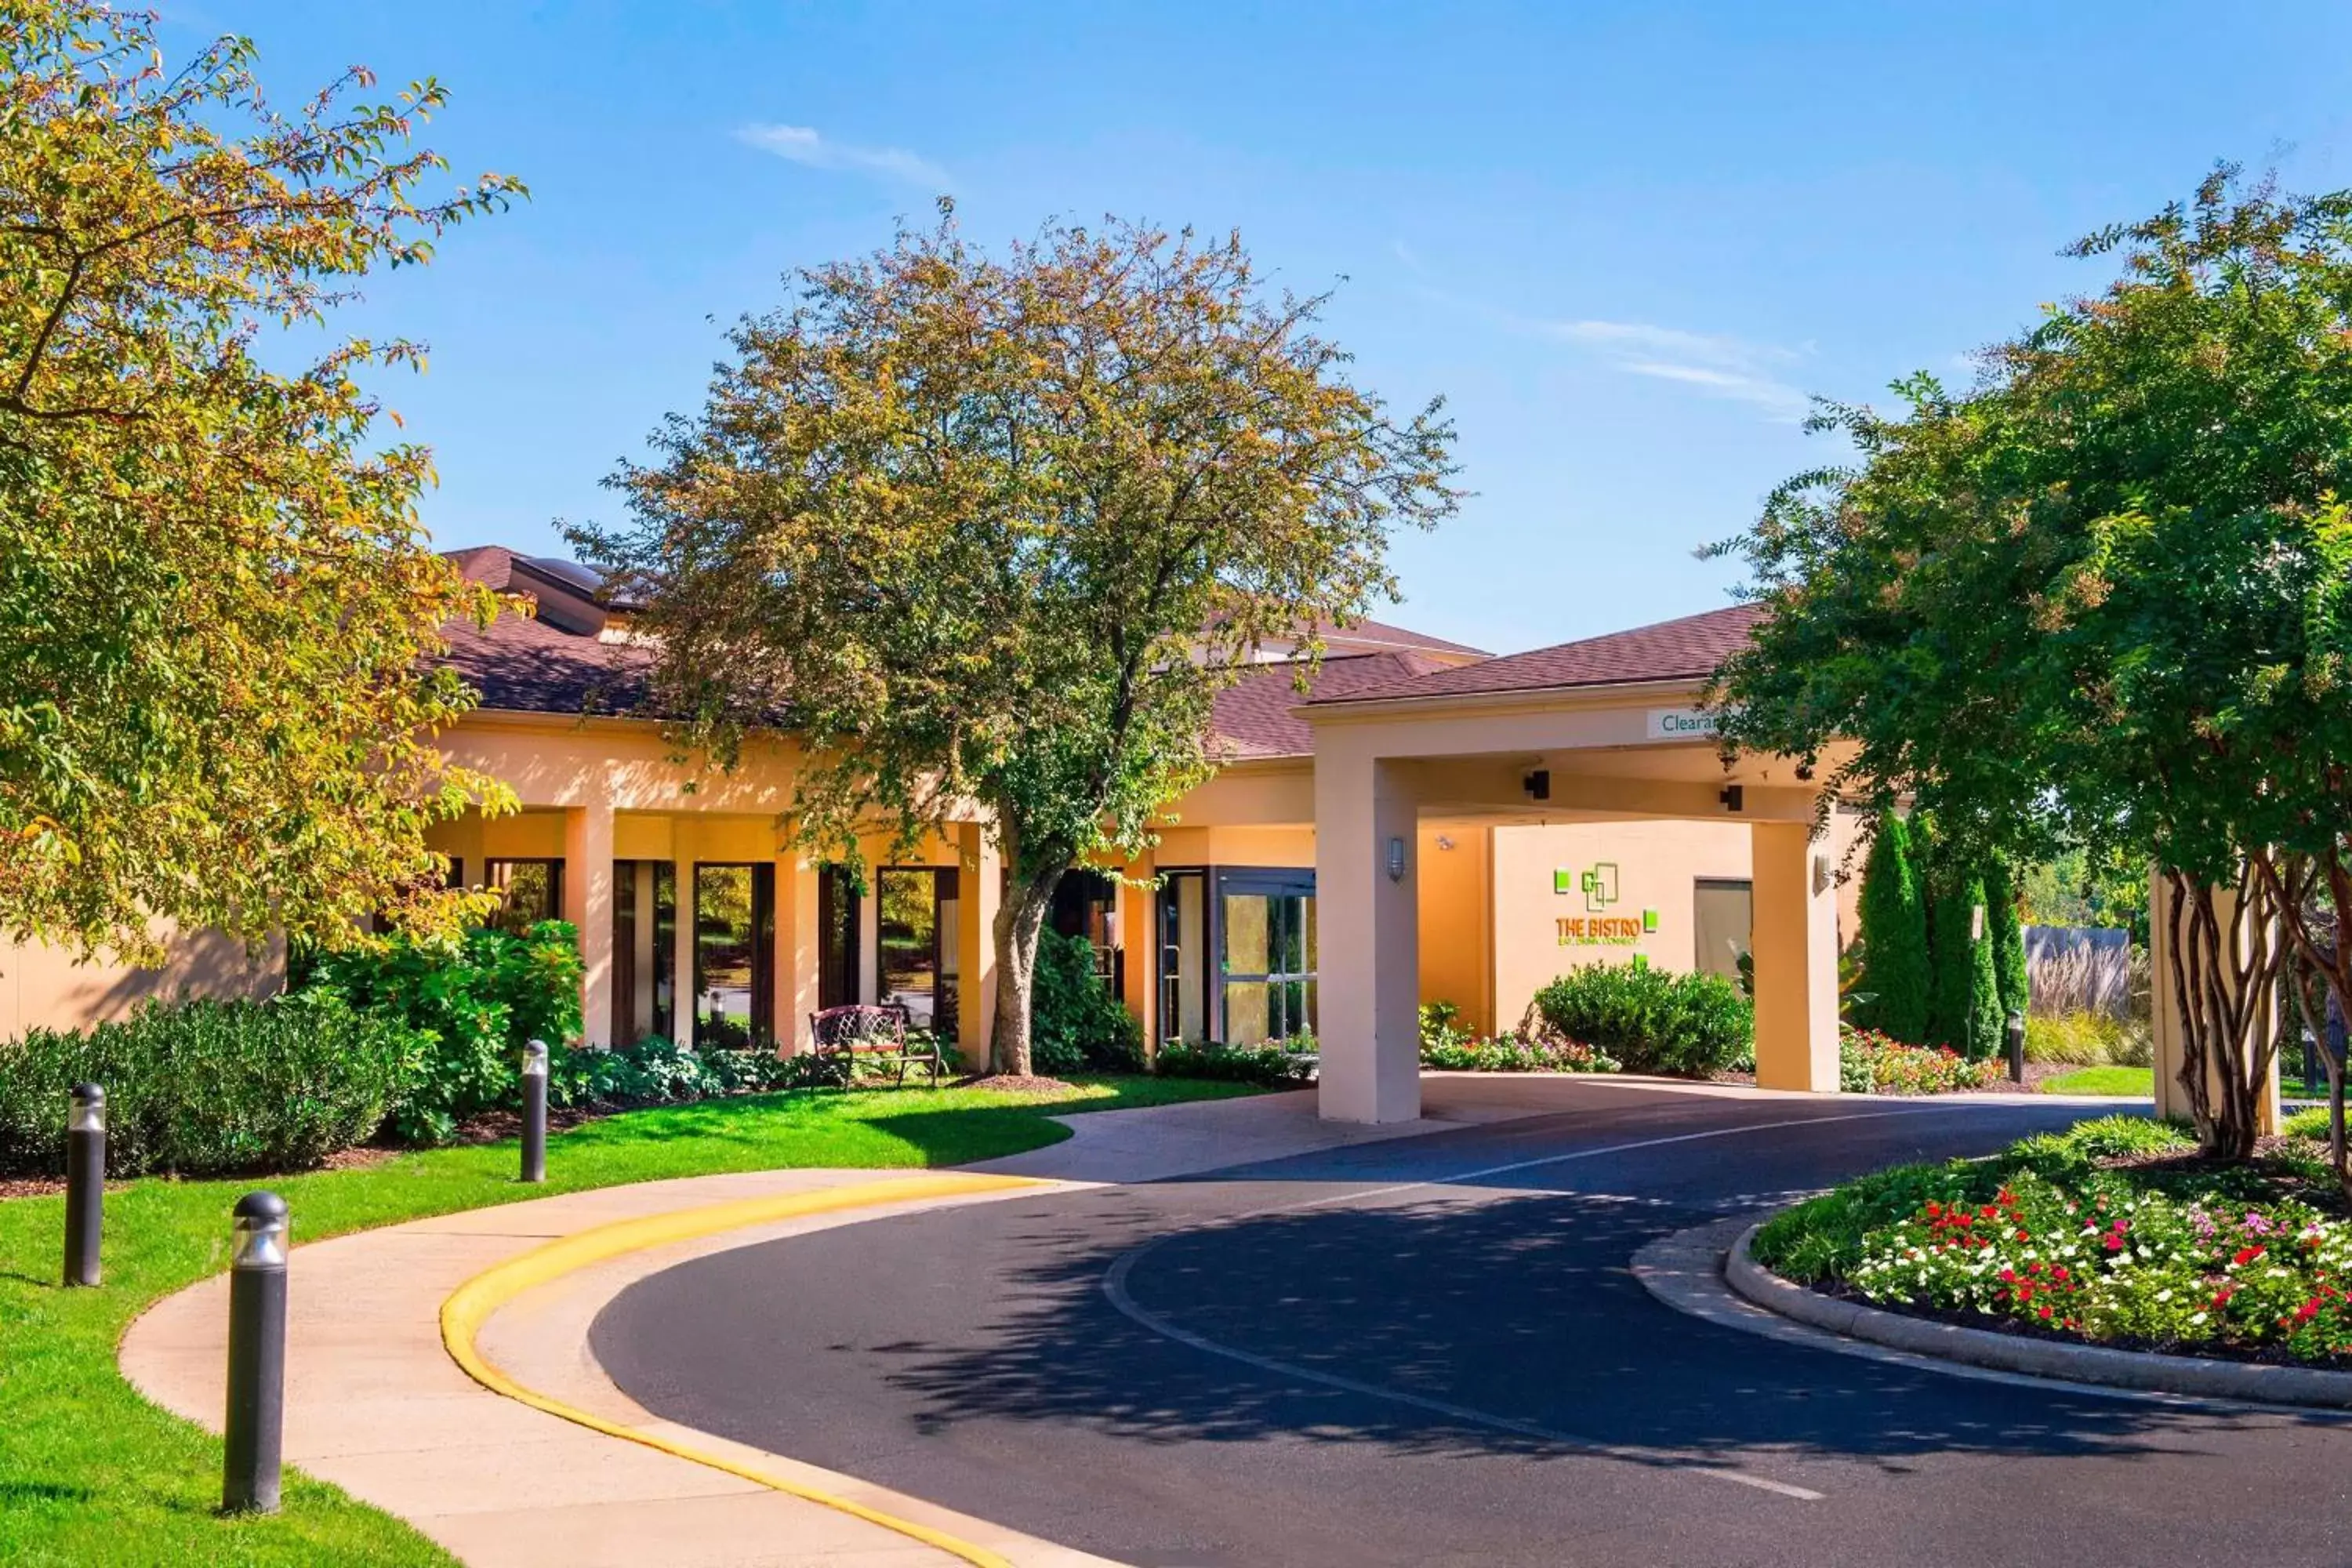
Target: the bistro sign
point(1682, 724)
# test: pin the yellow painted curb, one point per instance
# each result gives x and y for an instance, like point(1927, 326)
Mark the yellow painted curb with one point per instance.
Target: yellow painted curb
point(464, 1312)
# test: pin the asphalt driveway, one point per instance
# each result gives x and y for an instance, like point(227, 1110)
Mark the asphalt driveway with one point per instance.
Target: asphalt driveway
point(1430, 1351)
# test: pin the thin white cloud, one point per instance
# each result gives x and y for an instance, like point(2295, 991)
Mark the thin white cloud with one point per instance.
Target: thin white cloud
point(1710, 364)
point(802, 145)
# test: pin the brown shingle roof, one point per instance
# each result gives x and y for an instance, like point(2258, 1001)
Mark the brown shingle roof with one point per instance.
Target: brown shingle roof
point(1684, 649)
point(525, 665)
point(1254, 716)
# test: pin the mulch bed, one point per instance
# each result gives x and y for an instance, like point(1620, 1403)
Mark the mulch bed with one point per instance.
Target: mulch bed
point(1014, 1083)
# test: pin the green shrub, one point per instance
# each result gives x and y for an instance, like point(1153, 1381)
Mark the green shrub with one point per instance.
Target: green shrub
point(1965, 1012)
point(1894, 922)
point(479, 999)
point(206, 1088)
point(656, 1070)
point(1650, 1020)
point(1240, 1064)
point(1822, 1237)
point(1076, 1025)
point(1511, 1054)
point(2005, 929)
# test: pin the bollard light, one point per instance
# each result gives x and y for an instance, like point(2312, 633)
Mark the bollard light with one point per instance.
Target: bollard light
point(2017, 1048)
point(85, 1182)
point(257, 1354)
point(534, 1112)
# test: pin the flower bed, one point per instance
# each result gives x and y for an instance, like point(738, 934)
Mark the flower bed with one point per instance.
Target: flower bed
point(1510, 1054)
point(2113, 1232)
point(1872, 1063)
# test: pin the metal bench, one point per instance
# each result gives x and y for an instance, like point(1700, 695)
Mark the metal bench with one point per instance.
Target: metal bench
point(856, 1034)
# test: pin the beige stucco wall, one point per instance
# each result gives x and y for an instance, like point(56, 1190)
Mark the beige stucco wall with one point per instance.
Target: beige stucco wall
point(1658, 866)
point(43, 987)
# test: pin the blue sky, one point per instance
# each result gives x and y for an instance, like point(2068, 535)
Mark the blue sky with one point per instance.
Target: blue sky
point(1624, 241)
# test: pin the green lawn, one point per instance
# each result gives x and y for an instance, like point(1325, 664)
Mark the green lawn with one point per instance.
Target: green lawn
point(90, 1473)
point(2139, 1082)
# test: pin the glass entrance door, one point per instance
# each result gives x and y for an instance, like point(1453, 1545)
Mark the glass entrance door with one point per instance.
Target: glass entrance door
point(1267, 936)
point(907, 933)
point(734, 954)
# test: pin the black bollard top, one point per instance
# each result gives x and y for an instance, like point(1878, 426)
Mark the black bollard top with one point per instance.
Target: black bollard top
point(90, 1093)
point(268, 1208)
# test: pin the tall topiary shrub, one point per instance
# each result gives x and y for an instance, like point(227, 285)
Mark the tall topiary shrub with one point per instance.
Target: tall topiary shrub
point(1896, 974)
point(1964, 1009)
point(2005, 925)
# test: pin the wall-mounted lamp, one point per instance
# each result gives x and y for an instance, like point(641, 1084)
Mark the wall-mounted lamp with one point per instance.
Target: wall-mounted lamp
point(1396, 859)
point(1821, 877)
point(1538, 784)
point(1444, 842)
point(1733, 797)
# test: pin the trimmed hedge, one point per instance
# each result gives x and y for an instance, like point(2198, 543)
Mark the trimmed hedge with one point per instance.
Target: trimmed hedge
point(210, 1089)
point(1649, 1020)
point(1239, 1064)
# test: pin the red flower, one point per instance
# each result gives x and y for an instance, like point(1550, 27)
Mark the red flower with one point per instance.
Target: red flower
point(2045, 1312)
point(2246, 1254)
point(2009, 1276)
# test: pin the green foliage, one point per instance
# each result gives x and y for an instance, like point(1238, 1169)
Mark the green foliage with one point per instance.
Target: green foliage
point(655, 1072)
point(2088, 1038)
point(2103, 599)
point(2069, 889)
point(1270, 1065)
point(1894, 922)
point(217, 613)
point(1964, 1011)
point(1650, 1020)
point(1822, 1237)
point(2005, 931)
point(479, 999)
point(209, 1088)
point(1511, 1054)
point(1077, 1025)
point(998, 528)
point(1872, 1063)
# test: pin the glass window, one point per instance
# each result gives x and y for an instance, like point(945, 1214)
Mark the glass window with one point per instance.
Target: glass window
point(734, 938)
point(908, 933)
point(530, 891)
point(1722, 913)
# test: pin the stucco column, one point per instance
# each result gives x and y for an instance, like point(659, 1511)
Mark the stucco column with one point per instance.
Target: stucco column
point(2164, 1011)
point(798, 936)
point(681, 968)
point(588, 905)
point(1794, 944)
point(1368, 939)
point(981, 890)
point(1139, 954)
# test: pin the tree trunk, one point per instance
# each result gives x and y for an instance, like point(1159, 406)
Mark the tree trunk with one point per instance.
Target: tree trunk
point(2222, 968)
point(1020, 921)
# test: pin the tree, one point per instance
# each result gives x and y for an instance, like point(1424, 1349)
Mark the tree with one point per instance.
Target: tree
point(1893, 920)
point(2005, 933)
point(989, 534)
point(1964, 1006)
point(217, 608)
point(2100, 601)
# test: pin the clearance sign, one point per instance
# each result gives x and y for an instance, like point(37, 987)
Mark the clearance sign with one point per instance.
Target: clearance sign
point(1596, 926)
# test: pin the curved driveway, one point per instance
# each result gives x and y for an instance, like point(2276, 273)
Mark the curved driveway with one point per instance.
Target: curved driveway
point(1430, 1351)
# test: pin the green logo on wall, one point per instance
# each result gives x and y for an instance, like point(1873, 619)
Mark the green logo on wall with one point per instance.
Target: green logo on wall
point(1599, 886)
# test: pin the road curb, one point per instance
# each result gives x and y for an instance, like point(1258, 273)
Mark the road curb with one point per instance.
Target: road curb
point(470, 1307)
point(2141, 1371)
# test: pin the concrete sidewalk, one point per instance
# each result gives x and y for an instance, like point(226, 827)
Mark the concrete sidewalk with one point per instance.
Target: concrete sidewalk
point(375, 1406)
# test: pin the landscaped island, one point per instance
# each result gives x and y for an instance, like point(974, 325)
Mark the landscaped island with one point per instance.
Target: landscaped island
point(2114, 1231)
